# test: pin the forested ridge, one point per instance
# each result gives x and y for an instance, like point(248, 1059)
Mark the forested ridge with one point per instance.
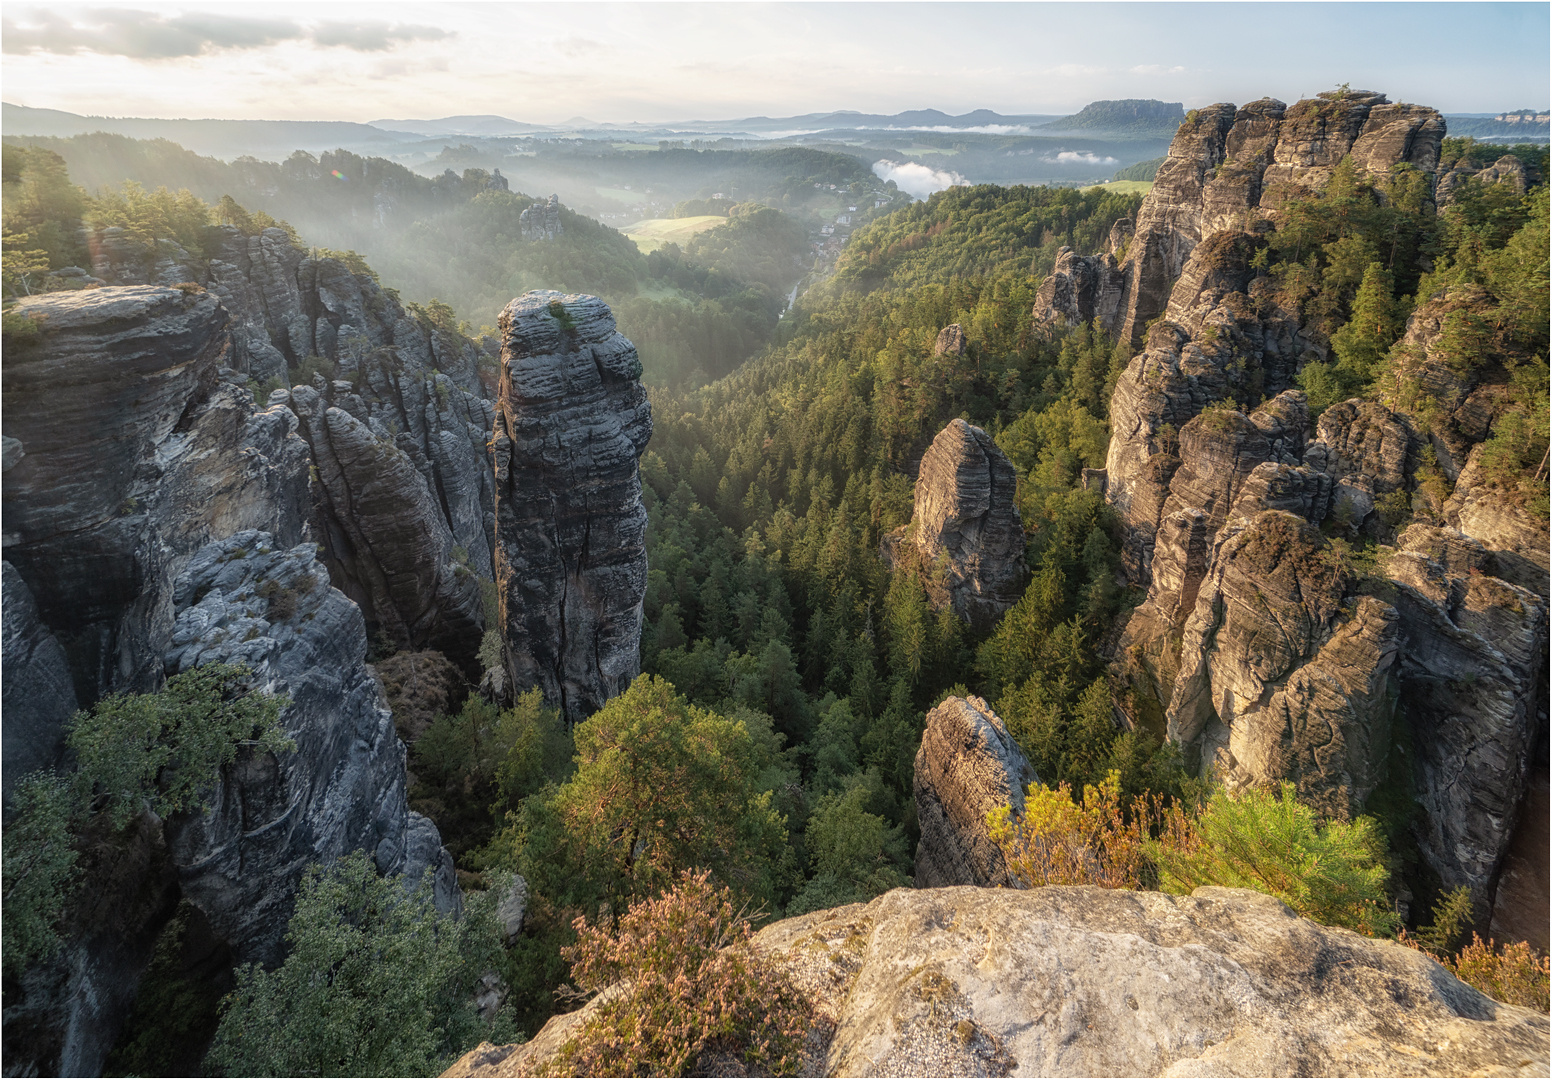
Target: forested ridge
point(788, 665)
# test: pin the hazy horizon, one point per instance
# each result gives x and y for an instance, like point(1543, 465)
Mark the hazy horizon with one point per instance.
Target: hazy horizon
point(655, 63)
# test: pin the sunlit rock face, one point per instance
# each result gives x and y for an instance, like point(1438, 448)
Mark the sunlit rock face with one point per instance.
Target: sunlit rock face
point(966, 526)
point(572, 421)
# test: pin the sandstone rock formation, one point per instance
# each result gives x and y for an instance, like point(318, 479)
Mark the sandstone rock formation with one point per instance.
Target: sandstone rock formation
point(541, 221)
point(966, 526)
point(1473, 666)
point(951, 339)
point(39, 695)
point(245, 600)
point(1279, 677)
point(415, 385)
point(1506, 170)
point(138, 467)
point(968, 765)
point(1081, 289)
point(1077, 981)
point(572, 421)
point(1264, 672)
point(139, 458)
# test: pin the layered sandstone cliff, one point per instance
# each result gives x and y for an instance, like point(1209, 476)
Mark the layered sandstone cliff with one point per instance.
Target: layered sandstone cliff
point(572, 421)
point(1259, 647)
point(966, 526)
point(160, 520)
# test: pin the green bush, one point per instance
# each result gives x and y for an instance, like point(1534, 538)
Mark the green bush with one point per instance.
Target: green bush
point(39, 868)
point(377, 983)
point(1333, 873)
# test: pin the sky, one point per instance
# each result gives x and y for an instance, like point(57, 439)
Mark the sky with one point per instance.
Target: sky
point(550, 62)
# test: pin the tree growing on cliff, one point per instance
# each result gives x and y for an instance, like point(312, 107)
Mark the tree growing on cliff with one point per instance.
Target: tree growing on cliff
point(377, 983)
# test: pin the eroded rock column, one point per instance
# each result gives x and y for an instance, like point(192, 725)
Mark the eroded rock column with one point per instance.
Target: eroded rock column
point(572, 421)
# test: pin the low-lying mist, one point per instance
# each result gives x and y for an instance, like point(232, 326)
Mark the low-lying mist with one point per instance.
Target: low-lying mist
point(916, 179)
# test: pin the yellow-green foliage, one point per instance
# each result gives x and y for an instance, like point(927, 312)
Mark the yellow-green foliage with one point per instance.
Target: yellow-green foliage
point(1333, 873)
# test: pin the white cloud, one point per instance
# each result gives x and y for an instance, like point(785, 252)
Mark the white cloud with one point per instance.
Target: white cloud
point(146, 35)
point(1080, 157)
point(1157, 69)
point(917, 179)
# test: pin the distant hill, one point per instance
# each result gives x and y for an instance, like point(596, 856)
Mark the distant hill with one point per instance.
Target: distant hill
point(225, 139)
point(484, 126)
point(1526, 126)
point(1130, 116)
point(1143, 170)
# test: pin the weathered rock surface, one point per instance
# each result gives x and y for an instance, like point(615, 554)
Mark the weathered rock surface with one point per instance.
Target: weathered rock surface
point(246, 600)
point(967, 528)
point(572, 421)
point(1473, 664)
point(1070, 981)
point(1081, 289)
point(1516, 540)
point(132, 455)
point(39, 695)
point(968, 765)
point(951, 340)
point(1218, 345)
point(1506, 170)
point(139, 457)
point(1282, 674)
point(413, 381)
point(541, 221)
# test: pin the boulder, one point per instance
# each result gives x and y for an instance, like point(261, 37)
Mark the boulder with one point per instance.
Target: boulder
point(968, 765)
point(966, 526)
point(1081, 981)
point(572, 421)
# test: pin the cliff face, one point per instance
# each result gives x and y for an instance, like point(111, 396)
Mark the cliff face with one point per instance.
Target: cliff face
point(572, 421)
point(1065, 981)
point(968, 765)
point(160, 519)
point(409, 396)
point(967, 528)
point(1258, 648)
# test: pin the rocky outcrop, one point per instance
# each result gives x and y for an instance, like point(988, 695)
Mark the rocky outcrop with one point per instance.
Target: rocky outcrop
point(966, 526)
point(1221, 344)
point(951, 341)
point(1284, 675)
point(572, 421)
point(1516, 541)
point(1506, 170)
point(39, 695)
point(141, 456)
point(1081, 289)
point(161, 520)
point(968, 765)
point(1080, 981)
point(1473, 664)
point(247, 600)
point(541, 221)
point(389, 542)
point(409, 377)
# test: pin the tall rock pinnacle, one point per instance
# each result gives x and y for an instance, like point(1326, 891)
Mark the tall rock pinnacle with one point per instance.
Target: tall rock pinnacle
point(572, 421)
